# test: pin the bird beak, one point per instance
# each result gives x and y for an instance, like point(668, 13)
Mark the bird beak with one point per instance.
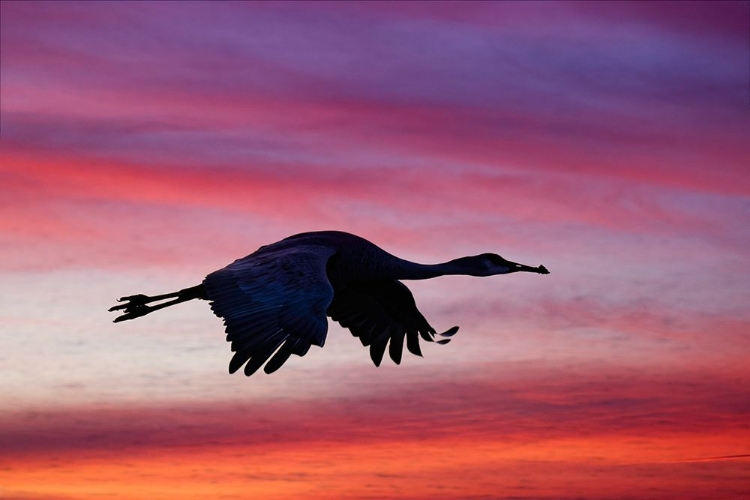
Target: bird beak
point(514, 267)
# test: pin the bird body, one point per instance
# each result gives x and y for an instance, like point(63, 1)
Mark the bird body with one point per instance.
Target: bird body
point(354, 258)
point(274, 302)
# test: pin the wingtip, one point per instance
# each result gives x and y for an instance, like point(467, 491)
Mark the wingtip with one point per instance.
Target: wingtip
point(236, 363)
point(450, 332)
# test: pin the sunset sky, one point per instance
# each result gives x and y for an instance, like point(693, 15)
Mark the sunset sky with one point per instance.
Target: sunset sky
point(145, 144)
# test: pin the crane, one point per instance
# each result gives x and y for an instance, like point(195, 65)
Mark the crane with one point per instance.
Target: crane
point(274, 302)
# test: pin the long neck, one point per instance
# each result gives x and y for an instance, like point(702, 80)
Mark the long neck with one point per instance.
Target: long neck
point(406, 270)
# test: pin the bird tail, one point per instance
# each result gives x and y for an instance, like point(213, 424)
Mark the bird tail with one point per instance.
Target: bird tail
point(136, 306)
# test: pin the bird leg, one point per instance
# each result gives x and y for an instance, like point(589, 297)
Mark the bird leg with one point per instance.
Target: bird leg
point(135, 305)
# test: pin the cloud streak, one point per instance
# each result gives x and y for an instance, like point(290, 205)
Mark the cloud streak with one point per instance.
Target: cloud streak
point(515, 403)
point(584, 124)
point(143, 146)
point(580, 430)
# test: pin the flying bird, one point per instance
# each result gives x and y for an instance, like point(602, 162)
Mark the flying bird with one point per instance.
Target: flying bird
point(274, 302)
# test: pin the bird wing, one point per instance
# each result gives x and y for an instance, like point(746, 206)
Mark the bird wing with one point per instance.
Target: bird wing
point(377, 312)
point(272, 301)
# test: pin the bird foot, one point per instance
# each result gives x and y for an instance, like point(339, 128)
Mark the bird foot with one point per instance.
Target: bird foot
point(133, 308)
point(132, 299)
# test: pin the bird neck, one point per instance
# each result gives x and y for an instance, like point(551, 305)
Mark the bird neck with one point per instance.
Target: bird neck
point(414, 271)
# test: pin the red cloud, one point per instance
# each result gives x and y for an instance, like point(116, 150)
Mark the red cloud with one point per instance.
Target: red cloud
point(585, 430)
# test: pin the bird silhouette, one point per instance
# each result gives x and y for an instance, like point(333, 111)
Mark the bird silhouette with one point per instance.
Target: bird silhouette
point(274, 302)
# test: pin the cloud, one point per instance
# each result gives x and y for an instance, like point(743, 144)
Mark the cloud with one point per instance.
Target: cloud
point(613, 99)
point(528, 421)
point(495, 404)
point(607, 141)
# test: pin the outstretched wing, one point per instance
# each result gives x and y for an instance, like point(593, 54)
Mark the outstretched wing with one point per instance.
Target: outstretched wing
point(272, 301)
point(379, 312)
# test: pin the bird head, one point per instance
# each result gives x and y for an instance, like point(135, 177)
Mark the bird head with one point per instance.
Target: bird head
point(489, 264)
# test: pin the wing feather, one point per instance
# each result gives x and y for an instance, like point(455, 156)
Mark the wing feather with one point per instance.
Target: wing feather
point(377, 349)
point(396, 346)
point(280, 357)
point(273, 303)
point(412, 343)
point(261, 355)
point(381, 312)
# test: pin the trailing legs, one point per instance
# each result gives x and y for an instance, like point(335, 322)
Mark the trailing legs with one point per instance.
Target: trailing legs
point(135, 305)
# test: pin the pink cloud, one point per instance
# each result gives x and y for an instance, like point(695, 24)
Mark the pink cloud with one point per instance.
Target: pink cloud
point(94, 203)
point(500, 403)
point(643, 135)
point(607, 141)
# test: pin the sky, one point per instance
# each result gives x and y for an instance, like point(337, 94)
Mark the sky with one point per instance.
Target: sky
point(144, 145)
